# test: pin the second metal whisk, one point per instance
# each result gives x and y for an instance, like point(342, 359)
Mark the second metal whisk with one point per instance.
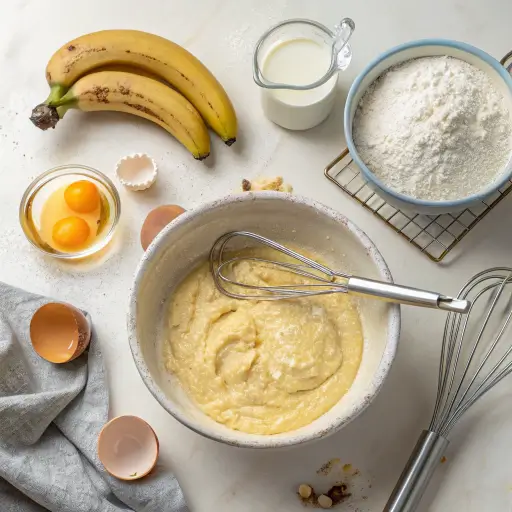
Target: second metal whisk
point(476, 354)
point(320, 280)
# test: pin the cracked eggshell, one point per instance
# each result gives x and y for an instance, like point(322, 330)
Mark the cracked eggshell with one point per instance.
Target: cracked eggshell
point(137, 171)
point(128, 447)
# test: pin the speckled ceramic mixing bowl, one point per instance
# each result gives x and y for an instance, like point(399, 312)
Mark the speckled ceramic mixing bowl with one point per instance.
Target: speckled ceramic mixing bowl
point(290, 219)
point(425, 48)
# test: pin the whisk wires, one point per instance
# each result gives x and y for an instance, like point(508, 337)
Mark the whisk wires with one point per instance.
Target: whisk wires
point(320, 280)
point(463, 379)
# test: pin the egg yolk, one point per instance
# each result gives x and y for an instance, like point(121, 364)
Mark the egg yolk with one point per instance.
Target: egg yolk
point(71, 232)
point(82, 196)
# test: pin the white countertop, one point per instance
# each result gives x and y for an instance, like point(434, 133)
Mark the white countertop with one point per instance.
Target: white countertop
point(477, 475)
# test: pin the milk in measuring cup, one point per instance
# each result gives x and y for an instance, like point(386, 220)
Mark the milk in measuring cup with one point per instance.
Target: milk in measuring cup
point(298, 61)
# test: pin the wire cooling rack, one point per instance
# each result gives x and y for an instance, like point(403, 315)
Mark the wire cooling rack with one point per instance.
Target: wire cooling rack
point(434, 235)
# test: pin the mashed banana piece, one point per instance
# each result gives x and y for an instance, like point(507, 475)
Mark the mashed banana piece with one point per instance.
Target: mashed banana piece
point(263, 183)
point(262, 367)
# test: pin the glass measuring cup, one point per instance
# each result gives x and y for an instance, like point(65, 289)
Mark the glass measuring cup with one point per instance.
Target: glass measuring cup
point(306, 100)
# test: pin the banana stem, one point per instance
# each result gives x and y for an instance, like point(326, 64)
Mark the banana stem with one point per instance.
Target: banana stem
point(56, 93)
point(63, 109)
point(44, 116)
point(47, 115)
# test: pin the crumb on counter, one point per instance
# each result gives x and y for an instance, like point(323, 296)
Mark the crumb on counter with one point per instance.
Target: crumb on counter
point(305, 491)
point(324, 501)
point(277, 184)
point(326, 468)
point(336, 494)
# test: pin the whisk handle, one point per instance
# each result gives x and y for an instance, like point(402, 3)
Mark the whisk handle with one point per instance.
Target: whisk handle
point(420, 467)
point(405, 295)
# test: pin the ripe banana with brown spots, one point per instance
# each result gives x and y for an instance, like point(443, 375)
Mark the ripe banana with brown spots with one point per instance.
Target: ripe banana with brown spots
point(152, 54)
point(135, 94)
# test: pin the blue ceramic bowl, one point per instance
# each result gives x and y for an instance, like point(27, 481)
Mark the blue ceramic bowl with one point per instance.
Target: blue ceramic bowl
point(412, 50)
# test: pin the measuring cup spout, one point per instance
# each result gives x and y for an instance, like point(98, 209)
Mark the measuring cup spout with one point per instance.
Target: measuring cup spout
point(342, 33)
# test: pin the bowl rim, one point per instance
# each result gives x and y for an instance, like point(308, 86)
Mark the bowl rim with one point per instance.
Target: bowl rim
point(292, 438)
point(456, 204)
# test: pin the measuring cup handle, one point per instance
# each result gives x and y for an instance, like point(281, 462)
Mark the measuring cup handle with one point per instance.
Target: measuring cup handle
point(342, 33)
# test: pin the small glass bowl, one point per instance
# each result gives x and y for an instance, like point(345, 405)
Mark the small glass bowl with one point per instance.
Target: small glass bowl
point(39, 190)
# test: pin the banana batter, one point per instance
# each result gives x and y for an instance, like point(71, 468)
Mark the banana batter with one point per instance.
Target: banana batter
point(262, 367)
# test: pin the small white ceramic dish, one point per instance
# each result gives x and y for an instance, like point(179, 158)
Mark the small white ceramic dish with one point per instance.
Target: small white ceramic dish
point(137, 172)
point(501, 78)
point(187, 240)
point(128, 447)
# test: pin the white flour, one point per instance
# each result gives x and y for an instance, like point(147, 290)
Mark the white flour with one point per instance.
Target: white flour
point(434, 128)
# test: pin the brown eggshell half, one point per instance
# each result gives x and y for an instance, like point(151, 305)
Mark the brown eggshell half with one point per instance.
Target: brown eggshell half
point(128, 447)
point(59, 332)
point(156, 220)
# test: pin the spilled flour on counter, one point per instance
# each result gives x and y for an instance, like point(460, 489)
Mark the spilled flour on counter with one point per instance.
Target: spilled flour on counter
point(434, 128)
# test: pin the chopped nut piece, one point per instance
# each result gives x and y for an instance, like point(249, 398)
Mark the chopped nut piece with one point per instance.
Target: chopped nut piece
point(324, 501)
point(305, 491)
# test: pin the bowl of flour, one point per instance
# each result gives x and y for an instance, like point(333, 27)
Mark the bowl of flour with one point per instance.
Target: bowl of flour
point(429, 123)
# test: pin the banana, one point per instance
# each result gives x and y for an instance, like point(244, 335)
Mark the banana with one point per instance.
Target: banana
point(134, 94)
point(150, 53)
point(131, 69)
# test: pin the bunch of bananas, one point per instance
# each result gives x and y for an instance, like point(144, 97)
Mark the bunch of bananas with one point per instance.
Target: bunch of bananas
point(142, 74)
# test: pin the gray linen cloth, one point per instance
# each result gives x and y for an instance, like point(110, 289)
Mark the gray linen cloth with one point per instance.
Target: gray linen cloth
point(50, 418)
